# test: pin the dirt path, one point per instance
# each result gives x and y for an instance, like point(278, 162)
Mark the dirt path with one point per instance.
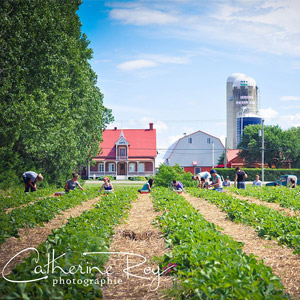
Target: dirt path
point(284, 263)
point(140, 237)
point(32, 237)
point(275, 206)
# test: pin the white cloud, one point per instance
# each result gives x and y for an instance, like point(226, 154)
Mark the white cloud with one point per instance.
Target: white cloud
point(160, 126)
point(268, 113)
point(136, 64)
point(290, 98)
point(152, 60)
point(287, 121)
point(290, 107)
point(271, 26)
point(142, 16)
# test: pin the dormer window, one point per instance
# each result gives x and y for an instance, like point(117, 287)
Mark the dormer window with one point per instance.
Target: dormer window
point(122, 152)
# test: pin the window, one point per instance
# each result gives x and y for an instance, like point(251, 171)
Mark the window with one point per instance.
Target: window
point(111, 167)
point(208, 140)
point(197, 170)
point(141, 167)
point(131, 167)
point(190, 140)
point(122, 152)
point(101, 167)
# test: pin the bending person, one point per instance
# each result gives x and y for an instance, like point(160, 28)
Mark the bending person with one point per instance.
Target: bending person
point(291, 181)
point(177, 185)
point(147, 186)
point(30, 179)
point(203, 179)
point(107, 186)
point(72, 183)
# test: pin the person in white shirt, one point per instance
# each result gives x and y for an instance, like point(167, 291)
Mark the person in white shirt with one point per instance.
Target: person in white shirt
point(203, 179)
point(257, 182)
point(291, 181)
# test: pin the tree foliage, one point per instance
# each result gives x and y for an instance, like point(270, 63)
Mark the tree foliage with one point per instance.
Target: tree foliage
point(166, 174)
point(51, 111)
point(280, 146)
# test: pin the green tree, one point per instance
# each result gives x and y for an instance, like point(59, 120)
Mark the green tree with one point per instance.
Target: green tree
point(280, 146)
point(51, 111)
point(166, 174)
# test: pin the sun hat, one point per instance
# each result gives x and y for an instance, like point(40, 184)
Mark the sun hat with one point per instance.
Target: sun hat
point(105, 178)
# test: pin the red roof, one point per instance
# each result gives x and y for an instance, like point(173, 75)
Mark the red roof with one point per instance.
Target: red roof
point(142, 142)
point(232, 154)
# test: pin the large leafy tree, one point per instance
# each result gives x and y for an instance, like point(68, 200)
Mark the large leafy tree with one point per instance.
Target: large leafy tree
point(280, 146)
point(51, 111)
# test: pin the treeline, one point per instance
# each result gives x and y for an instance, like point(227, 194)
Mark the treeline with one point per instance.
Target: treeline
point(281, 147)
point(51, 111)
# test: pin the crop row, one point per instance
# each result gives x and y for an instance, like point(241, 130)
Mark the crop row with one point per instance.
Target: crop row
point(268, 223)
point(289, 198)
point(41, 211)
point(208, 264)
point(75, 275)
point(18, 198)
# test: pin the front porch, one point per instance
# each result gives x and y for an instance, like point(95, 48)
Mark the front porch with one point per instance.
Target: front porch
point(122, 170)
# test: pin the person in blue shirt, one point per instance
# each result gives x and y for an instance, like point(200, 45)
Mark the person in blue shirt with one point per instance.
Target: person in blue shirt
point(216, 181)
point(226, 182)
point(107, 186)
point(147, 186)
point(30, 179)
point(177, 185)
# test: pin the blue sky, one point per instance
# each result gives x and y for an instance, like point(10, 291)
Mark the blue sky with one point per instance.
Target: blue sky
point(167, 62)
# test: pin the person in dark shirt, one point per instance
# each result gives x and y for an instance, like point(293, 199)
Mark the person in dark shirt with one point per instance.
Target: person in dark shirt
point(240, 178)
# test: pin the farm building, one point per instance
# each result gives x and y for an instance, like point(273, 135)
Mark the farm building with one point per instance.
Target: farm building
point(195, 152)
point(126, 153)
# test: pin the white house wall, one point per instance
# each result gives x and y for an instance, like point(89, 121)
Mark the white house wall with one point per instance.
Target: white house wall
point(185, 153)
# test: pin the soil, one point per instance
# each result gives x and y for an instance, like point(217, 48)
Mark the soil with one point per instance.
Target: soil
point(284, 263)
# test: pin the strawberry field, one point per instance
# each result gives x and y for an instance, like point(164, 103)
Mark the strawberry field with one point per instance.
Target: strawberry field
point(211, 244)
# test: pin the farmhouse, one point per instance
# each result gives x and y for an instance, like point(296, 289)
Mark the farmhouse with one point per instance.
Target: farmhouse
point(196, 152)
point(126, 153)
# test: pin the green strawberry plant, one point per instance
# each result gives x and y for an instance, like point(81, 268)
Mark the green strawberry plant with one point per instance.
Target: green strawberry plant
point(209, 265)
point(92, 231)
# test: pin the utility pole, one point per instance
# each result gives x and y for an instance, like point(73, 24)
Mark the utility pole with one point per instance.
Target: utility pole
point(262, 152)
point(225, 157)
point(213, 154)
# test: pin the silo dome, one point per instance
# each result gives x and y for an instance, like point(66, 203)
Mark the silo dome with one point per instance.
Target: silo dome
point(234, 76)
point(244, 81)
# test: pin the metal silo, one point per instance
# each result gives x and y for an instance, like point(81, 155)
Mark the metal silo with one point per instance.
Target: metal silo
point(241, 100)
point(243, 121)
point(231, 114)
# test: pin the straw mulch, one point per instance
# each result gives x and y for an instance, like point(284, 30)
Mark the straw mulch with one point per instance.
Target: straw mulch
point(137, 236)
point(284, 263)
point(275, 206)
point(32, 237)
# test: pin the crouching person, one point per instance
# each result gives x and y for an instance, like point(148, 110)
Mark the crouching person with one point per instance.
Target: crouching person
point(147, 186)
point(216, 181)
point(72, 183)
point(177, 186)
